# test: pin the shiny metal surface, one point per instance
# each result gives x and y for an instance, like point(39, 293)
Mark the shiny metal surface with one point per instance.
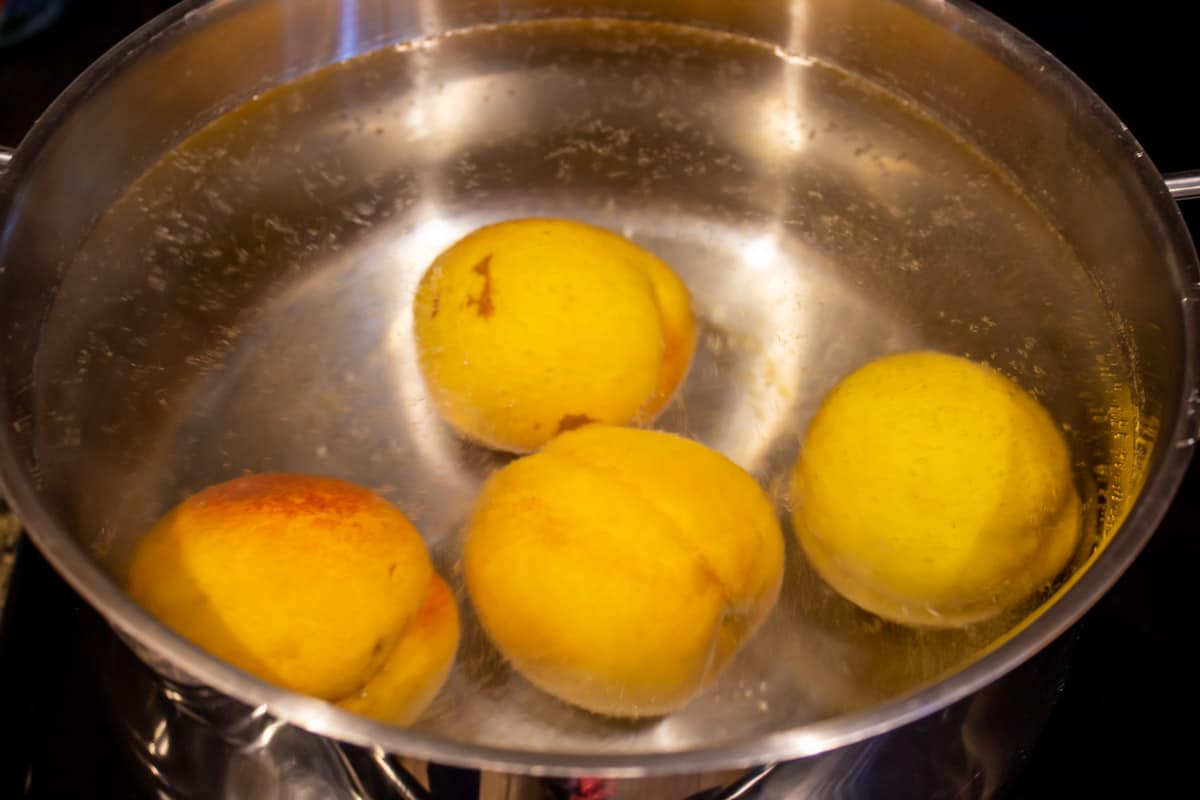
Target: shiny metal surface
point(237, 297)
point(1183, 185)
point(189, 742)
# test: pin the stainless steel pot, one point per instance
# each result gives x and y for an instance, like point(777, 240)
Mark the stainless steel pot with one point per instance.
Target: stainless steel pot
point(834, 180)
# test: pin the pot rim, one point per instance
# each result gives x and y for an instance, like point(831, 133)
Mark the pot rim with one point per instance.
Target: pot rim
point(1165, 472)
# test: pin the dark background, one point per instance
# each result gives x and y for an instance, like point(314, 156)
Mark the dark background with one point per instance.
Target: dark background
point(1126, 723)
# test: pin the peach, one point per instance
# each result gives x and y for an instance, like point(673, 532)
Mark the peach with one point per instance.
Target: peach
point(933, 491)
point(621, 569)
point(530, 327)
point(312, 583)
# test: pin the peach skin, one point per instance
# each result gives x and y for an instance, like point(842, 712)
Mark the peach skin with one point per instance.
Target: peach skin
point(620, 569)
point(532, 327)
point(311, 583)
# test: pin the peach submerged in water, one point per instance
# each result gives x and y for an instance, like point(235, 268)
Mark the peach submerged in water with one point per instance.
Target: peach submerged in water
point(530, 327)
point(315, 584)
point(621, 569)
point(933, 491)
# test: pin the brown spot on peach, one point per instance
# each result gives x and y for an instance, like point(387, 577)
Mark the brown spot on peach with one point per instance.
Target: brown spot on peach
point(570, 422)
point(483, 303)
point(436, 301)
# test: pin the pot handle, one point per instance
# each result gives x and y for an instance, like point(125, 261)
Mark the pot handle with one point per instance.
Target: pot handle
point(1183, 185)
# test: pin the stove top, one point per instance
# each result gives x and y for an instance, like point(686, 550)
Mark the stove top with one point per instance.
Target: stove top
point(1123, 724)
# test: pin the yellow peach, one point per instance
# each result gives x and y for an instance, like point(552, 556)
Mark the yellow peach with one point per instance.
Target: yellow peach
point(418, 665)
point(310, 583)
point(620, 569)
point(933, 491)
point(530, 327)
